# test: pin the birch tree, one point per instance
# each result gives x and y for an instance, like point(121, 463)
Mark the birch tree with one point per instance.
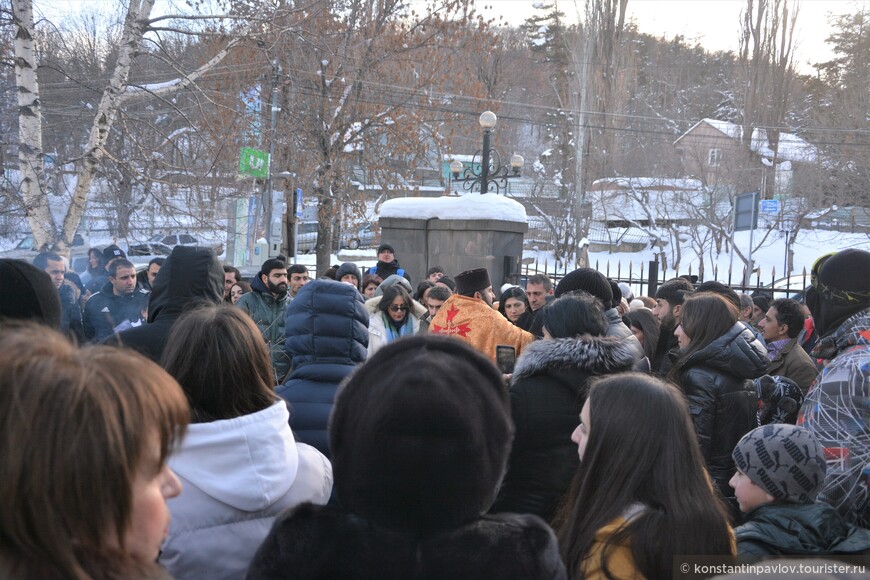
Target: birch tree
point(118, 93)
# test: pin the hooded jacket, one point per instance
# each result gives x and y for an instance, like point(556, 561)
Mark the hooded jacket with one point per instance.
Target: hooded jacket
point(327, 337)
point(378, 329)
point(190, 276)
point(788, 529)
point(238, 475)
point(548, 389)
point(835, 411)
point(416, 459)
point(721, 396)
point(268, 314)
point(104, 311)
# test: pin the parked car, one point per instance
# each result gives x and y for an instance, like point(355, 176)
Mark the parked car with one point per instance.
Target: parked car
point(162, 244)
point(26, 249)
point(364, 237)
point(306, 237)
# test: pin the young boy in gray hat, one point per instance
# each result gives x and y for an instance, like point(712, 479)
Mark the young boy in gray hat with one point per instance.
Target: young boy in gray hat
point(780, 470)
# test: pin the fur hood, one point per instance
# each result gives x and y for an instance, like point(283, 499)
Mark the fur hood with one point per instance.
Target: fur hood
point(591, 354)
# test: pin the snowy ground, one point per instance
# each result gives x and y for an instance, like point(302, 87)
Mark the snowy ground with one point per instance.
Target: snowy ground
point(768, 259)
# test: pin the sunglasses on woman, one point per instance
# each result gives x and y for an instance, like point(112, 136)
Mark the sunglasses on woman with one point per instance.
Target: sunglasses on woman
point(398, 308)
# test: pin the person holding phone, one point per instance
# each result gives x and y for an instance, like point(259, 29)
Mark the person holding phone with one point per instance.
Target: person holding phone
point(547, 391)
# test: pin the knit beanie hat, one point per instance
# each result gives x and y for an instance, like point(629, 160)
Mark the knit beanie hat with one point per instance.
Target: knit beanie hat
point(472, 281)
point(447, 281)
point(627, 292)
point(588, 280)
point(786, 461)
point(388, 247)
point(348, 268)
point(27, 293)
point(111, 252)
point(840, 288)
point(420, 435)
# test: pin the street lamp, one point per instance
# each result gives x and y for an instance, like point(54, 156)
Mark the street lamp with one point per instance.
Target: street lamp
point(492, 173)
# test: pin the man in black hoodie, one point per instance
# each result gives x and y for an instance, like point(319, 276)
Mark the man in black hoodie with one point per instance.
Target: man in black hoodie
point(190, 276)
point(387, 264)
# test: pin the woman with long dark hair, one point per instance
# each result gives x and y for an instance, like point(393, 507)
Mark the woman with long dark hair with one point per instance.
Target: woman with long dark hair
point(547, 391)
point(642, 495)
point(644, 326)
point(240, 462)
point(717, 360)
point(395, 317)
point(514, 305)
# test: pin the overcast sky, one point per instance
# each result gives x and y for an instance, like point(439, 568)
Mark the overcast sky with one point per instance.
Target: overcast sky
point(713, 23)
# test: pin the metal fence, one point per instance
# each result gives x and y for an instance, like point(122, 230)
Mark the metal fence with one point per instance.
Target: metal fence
point(645, 278)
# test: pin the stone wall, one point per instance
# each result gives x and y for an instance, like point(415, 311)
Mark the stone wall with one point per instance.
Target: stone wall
point(455, 245)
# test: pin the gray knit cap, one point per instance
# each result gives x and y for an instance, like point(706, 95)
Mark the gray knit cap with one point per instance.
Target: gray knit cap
point(786, 461)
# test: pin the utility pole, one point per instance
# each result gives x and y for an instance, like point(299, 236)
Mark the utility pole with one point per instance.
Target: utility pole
point(267, 194)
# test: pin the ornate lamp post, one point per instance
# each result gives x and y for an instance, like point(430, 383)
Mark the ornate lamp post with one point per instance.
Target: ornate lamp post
point(492, 173)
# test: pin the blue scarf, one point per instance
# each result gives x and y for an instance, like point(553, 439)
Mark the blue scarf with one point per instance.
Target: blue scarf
point(407, 329)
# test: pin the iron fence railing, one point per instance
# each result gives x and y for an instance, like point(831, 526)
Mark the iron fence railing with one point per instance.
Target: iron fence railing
point(645, 277)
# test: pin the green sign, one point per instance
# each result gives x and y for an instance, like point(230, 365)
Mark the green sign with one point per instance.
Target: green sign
point(254, 162)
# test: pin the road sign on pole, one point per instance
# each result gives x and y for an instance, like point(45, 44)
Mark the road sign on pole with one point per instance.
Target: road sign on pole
point(746, 211)
point(770, 206)
point(254, 162)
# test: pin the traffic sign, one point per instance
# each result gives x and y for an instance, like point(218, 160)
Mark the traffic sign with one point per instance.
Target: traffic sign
point(769, 206)
point(254, 162)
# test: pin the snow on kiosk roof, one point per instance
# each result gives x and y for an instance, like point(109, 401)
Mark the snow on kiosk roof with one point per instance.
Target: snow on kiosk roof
point(489, 206)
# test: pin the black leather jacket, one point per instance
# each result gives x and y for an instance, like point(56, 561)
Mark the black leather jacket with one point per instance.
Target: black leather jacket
point(722, 401)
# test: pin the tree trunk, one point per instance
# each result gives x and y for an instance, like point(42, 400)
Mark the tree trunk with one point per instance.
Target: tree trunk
point(134, 27)
point(30, 153)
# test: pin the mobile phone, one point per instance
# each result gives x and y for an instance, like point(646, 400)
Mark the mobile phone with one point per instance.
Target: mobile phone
point(505, 357)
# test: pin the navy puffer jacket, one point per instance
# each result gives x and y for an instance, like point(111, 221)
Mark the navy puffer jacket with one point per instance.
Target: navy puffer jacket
point(327, 337)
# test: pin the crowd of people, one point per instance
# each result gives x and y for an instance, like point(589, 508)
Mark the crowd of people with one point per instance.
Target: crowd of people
point(183, 422)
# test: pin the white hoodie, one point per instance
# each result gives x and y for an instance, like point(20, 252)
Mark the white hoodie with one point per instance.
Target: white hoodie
point(238, 475)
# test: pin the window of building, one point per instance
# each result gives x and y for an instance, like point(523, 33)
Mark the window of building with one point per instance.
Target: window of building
point(714, 157)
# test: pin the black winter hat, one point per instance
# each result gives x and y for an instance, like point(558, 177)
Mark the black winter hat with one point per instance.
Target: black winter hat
point(617, 293)
point(786, 461)
point(472, 281)
point(383, 247)
point(588, 280)
point(448, 281)
point(111, 252)
point(27, 293)
point(845, 277)
point(420, 435)
point(348, 268)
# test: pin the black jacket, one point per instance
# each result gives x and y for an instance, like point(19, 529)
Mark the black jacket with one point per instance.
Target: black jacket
point(387, 269)
point(721, 396)
point(547, 391)
point(328, 542)
point(104, 311)
point(70, 313)
point(190, 276)
point(326, 328)
point(799, 529)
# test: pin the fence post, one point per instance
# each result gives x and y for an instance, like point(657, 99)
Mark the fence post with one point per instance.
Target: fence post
point(652, 278)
